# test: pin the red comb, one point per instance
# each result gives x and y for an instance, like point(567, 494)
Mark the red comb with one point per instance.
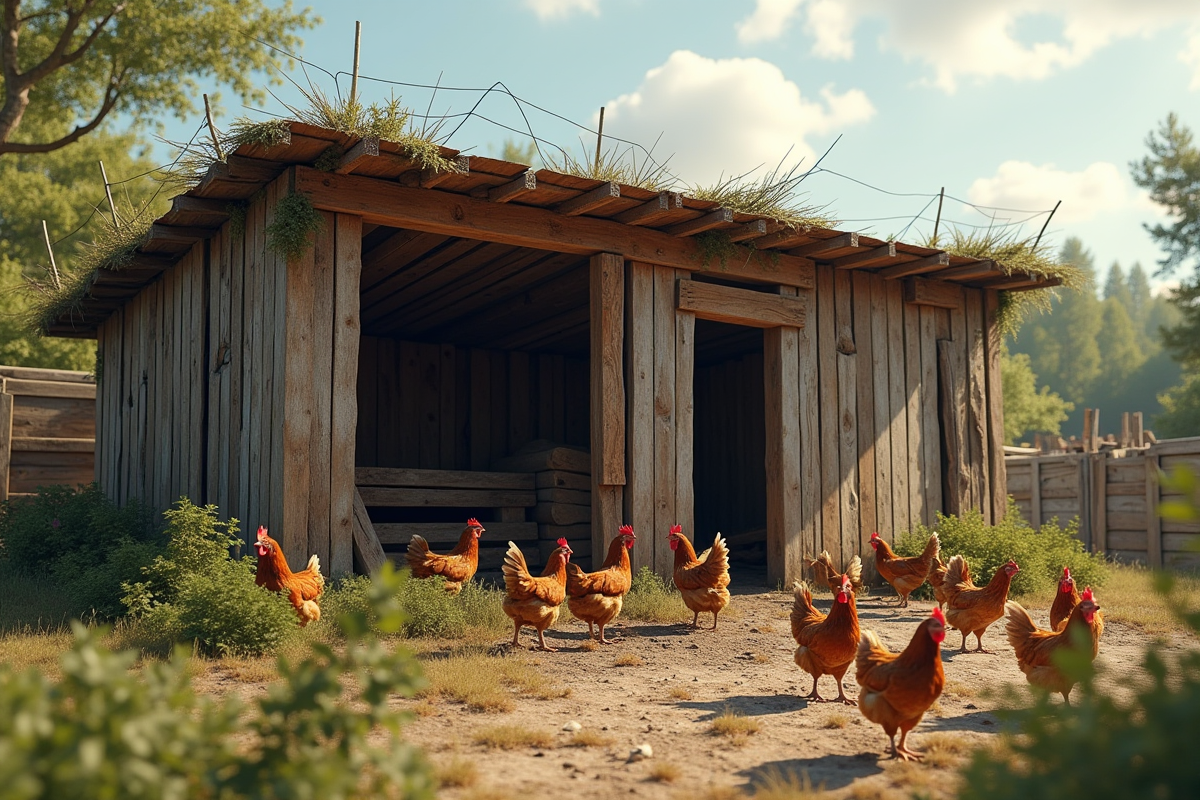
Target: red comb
point(262, 531)
point(676, 529)
point(1066, 572)
point(562, 543)
point(875, 535)
point(939, 616)
point(1087, 595)
point(473, 523)
point(627, 529)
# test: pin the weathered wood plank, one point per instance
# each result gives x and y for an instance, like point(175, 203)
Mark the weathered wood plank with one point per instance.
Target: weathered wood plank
point(930, 436)
point(897, 410)
point(880, 382)
point(977, 424)
point(918, 476)
point(922, 292)
point(343, 400)
point(401, 477)
point(6, 438)
point(297, 328)
point(781, 382)
point(866, 376)
point(607, 326)
point(739, 306)
point(992, 341)
point(498, 380)
point(448, 533)
point(664, 418)
point(830, 424)
point(847, 388)
point(447, 400)
point(519, 419)
point(685, 367)
point(368, 552)
point(954, 446)
point(410, 402)
point(808, 387)
point(428, 391)
point(556, 458)
point(320, 481)
point(1153, 520)
point(481, 409)
point(639, 436)
point(445, 498)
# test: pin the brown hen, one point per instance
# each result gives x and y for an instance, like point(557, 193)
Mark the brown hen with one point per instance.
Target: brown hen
point(702, 580)
point(1036, 647)
point(827, 644)
point(1065, 600)
point(597, 597)
point(456, 567)
point(904, 574)
point(302, 588)
point(534, 601)
point(972, 609)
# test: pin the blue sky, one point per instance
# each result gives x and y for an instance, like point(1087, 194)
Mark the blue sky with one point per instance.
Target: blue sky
point(1007, 103)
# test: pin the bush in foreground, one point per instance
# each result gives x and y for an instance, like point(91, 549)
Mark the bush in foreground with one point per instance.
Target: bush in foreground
point(104, 731)
point(195, 592)
point(1041, 553)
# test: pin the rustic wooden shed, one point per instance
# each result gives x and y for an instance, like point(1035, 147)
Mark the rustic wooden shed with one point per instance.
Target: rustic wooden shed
point(553, 354)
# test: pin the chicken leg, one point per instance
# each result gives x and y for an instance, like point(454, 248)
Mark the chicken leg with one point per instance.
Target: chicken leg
point(978, 643)
point(545, 648)
point(903, 752)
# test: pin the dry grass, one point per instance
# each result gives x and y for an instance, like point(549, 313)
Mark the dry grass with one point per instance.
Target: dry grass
point(38, 649)
point(248, 670)
point(512, 737)
point(588, 645)
point(457, 773)
point(664, 772)
point(836, 720)
point(589, 738)
point(652, 599)
point(1128, 596)
point(734, 726)
point(629, 660)
point(681, 693)
point(425, 709)
point(766, 628)
point(945, 750)
point(486, 683)
point(762, 658)
point(959, 689)
point(776, 785)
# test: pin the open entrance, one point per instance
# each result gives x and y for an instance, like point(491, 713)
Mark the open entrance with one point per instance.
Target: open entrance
point(730, 444)
point(473, 394)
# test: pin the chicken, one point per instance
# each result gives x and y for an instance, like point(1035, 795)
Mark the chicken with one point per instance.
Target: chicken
point(898, 688)
point(1065, 600)
point(825, 573)
point(937, 578)
point(303, 588)
point(970, 608)
point(904, 574)
point(702, 580)
point(1035, 647)
point(456, 567)
point(534, 601)
point(827, 644)
point(596, 597)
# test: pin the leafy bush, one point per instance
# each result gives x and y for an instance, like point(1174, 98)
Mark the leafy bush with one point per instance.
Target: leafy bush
point(1040, 553)
point(652, 598)
point(105, 731)
point(433, 612)
point(81, 540)
point(196, 592)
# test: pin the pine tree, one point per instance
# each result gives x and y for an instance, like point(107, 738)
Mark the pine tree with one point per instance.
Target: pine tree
point(1115, 287)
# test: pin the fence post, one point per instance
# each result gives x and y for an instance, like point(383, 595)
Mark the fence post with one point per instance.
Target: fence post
point(6, 418)
point(1099, 503)
point(1035, 493)
point(1153, 521)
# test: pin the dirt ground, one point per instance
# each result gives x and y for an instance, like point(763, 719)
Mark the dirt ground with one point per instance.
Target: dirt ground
point(685, 679)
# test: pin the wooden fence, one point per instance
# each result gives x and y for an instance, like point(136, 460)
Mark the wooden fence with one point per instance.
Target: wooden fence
point(47, 429)
point(1115, 494)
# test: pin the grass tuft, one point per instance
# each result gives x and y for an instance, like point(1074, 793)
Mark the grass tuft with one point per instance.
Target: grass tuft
point(653, 599)
point(589, 738)
point(734, 725)
point(629, 660)
point(512, 737)
point(613, 165)
point(664, 772)
point(486, 683)
point(773, 195)
point(295, 223)
point(835, 720)
point(778, 785)
point(681, 693)
point(457, 773)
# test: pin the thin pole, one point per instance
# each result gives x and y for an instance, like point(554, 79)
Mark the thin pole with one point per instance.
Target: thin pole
point(354, 75)
point(938, 220)
point(212, 129)
point(50, 250)
point(1044, 224)
point(599, 137)
point(108, 191)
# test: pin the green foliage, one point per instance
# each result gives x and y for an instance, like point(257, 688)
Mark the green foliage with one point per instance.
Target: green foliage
point(142, 60)
point(1026, 408)
point(81, 541)
point(1040, 553)
point(296, 222)
point(1171, 173)
point(430, 611)
point(651, 598)
point(1181, 409)
point(1103, 747)
point(519, 154)
point(199, 594)
point(326, 729)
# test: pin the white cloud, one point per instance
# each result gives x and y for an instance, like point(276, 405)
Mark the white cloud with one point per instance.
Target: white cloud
point(1099, 188)
point(960, 39)
point(728, 116)
point(560, 9)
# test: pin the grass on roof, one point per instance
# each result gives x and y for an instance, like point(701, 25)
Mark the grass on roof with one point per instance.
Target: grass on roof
point(1014, 254)
point(617, 166)
point(773, 195)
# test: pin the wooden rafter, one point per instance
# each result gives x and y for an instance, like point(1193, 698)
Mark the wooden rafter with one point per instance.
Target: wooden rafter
point(739, 306)
point(866, 257)
point(922, 292)
point(782, 238)
point(1021, 283)
point(366, 148)
point(747, 230)
point(826, 245)
point(524, 183)
point(431, 177)
point(922, 265)
point(713, 219)
point(589, 200)
point(652, 211)
point(966, 272)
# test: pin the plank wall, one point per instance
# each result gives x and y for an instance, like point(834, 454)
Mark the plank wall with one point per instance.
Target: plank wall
point(437, 406)
point(230, 380)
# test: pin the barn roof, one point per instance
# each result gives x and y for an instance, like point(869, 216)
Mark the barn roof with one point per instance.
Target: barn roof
point(199, 212)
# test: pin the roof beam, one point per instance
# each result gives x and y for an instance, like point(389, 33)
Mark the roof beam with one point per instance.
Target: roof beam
point(183, 204)
point(825, 245)
point(917, 267)
point(589, 200)
point(174, 233)
point(747, 230)
point(389, 203)
point(866, 257)
point(523, 184)
point(367, 147)
point(781, 238)
point(713, 219)
point(923, 292)
point(652, 210)
point(978, 269)
point(432, 177)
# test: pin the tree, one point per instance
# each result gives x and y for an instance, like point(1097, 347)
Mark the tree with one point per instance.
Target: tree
point(1139, 296)
point(87, 60)
point(519, 154)
point(1181, 409)
point(64, 188)
point(1026, 408)
point(1119, 345)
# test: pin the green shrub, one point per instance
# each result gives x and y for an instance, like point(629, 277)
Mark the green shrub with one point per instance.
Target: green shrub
point(105, 731)
point(81, 541)
point(433, 612)
point(211, 597)
point(1041, 553)
point(652, 598)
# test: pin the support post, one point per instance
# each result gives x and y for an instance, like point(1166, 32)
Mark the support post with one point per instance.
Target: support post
point(6, 418)
point(607, 310)
point(781, 376)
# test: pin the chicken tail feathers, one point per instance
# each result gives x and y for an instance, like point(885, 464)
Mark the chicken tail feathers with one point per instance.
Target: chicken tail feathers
point(1018, 625)
point(418, 552)
point(932, 548)
point(516, 571)
point(956, 572)
point(854, 572)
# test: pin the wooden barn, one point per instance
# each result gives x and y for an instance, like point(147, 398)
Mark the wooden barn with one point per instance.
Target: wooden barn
point(552, 354)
